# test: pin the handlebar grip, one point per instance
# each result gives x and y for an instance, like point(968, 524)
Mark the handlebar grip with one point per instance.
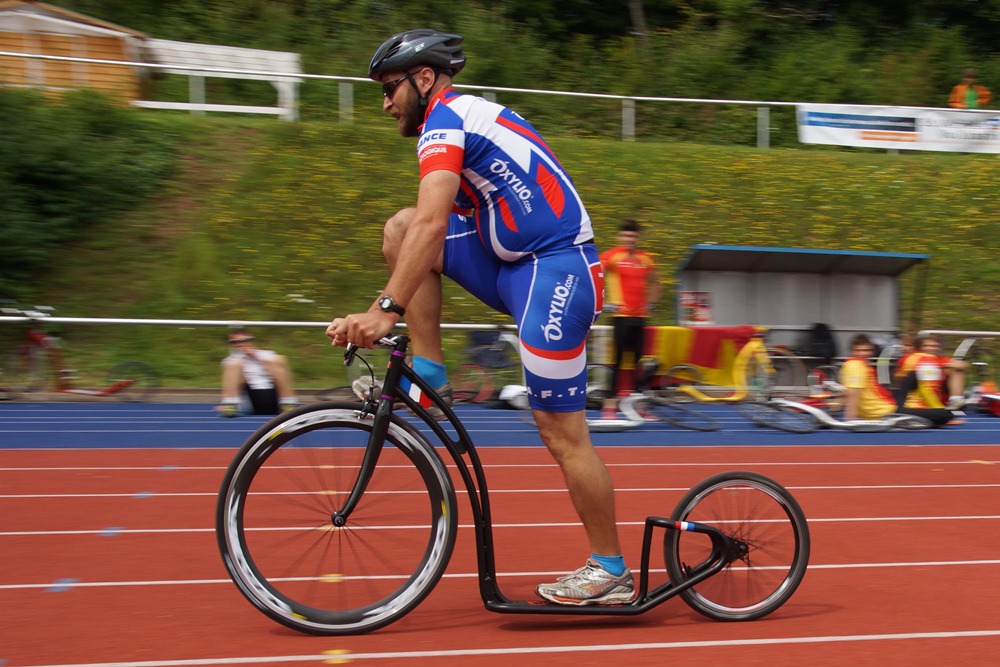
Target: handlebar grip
point(349, 353)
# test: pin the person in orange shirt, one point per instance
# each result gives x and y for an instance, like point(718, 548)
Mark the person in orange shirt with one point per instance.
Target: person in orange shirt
point(865, 398)
point(631, 287)
point(969, 94)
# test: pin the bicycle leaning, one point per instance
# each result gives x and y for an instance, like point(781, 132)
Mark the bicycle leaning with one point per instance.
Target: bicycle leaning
point(340, 518)
point(37, 364)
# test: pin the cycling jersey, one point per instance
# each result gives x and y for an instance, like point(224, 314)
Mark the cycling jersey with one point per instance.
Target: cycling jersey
point(516, 193)
point(874, 401)
point(520, 239)
point(930, 380)
point(627, 275)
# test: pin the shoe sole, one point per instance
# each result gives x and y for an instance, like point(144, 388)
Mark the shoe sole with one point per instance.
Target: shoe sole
point(616, 599)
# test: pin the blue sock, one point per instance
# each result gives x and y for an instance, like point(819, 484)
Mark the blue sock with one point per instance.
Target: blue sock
point(432, 372)
point(613, 564)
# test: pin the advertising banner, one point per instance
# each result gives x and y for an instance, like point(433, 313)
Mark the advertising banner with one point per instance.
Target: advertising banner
point(899, 127)
point(696, 308)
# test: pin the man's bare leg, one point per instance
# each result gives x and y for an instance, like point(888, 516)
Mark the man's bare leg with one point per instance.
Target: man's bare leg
point(232, 379)
point(281, 374)
point(567, 438)
point(423, 312)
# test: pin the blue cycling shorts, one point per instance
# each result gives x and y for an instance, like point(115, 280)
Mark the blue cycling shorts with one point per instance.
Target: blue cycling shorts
point(554, 297)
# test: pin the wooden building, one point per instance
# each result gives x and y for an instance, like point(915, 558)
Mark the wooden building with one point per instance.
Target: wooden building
point(42, 29)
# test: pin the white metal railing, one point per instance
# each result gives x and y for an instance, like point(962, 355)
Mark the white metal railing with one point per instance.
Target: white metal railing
point(346, 110)
point(346, 94)
point(969, 338)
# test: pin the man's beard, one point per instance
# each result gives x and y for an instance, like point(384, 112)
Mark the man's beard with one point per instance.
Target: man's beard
point(409, 119)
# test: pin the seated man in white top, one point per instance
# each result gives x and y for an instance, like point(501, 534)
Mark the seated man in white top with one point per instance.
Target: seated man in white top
point(257, 382)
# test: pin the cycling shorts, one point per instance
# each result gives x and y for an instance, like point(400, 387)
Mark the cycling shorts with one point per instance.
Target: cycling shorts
point(553, 296)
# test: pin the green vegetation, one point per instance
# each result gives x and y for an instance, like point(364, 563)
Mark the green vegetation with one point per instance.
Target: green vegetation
point(263, 220)
point(65, 166)
point(891, 52)
point(112, 212)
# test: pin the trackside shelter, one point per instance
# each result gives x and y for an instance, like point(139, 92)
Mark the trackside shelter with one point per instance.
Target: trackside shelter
point(787, 290)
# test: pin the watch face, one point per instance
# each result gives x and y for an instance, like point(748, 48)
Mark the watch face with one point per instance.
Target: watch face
point(388, 305)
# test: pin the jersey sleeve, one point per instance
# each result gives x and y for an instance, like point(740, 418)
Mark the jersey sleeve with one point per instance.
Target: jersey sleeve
point(854, 374)
point(441, 147)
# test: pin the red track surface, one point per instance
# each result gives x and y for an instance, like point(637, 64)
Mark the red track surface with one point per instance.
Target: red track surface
point(109, 558)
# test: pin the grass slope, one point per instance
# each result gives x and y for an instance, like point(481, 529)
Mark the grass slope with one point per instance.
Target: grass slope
point(280, 221)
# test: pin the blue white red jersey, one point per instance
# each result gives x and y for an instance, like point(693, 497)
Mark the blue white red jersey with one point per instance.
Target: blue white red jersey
point(513, 187)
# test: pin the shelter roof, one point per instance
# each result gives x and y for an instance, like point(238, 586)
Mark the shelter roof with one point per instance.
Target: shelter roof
point(751, 259)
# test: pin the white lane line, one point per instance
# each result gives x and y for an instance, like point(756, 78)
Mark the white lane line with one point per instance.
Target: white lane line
point(492, 466)
point(650, 489)
point(343, 655)
point(161, 531)
point(76, 583)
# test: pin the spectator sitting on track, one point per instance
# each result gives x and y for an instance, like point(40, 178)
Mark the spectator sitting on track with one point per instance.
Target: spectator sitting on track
point(865, 398)
point(938, 378)
point(254, 381)
point(906, 342)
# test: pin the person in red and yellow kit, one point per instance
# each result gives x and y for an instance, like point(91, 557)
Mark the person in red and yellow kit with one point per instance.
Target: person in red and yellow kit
point(865, 398)
point(938, 378)
point(631, 287)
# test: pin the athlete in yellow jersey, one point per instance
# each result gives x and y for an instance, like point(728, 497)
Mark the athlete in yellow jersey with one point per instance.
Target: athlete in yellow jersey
point(865, 398)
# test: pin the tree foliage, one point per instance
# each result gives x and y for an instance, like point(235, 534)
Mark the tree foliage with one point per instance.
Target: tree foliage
point(67, 164)
point(894, 52)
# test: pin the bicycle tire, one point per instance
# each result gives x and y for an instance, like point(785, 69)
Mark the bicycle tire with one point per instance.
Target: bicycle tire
point(137, 381)
point(904, 422)
point(759, 513)
point(753, 411)
point(680, 416)
point(672, 384)
point(274, 530)
point(472, 383)
point(789, 420)
point(789, 371)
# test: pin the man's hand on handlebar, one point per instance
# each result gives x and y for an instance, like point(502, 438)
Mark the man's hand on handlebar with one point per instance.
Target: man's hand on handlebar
point(361, 329)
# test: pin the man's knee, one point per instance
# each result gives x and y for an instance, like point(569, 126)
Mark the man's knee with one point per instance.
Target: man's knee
point(394, 231)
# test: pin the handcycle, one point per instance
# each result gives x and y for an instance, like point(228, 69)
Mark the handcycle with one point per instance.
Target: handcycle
point(27, 367)
point(337, 519)
point(806, 414)
point(647, 405)
point(756, 368)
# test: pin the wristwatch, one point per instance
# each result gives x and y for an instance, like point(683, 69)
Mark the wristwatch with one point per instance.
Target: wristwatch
point(388, 305)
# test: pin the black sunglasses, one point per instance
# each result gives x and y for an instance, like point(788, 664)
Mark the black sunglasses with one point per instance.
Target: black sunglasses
point(389, 87)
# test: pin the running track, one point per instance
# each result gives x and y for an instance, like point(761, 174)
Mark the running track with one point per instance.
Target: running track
point(109, 558)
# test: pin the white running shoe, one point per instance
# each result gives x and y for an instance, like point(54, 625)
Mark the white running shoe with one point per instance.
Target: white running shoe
point(591, 584)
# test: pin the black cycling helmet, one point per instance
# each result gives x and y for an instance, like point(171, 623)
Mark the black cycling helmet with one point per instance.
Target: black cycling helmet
point(430, 48)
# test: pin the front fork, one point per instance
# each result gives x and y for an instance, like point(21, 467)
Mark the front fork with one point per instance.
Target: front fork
point(382, 414)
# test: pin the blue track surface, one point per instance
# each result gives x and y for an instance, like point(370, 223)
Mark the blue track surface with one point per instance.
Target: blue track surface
point(153, 425)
